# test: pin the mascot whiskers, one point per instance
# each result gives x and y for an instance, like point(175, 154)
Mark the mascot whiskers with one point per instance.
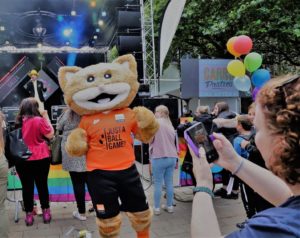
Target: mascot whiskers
point(101, 94)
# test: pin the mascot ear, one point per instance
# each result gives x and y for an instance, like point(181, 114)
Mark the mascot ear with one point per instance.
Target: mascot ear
point(127, 60)
point(66, 73)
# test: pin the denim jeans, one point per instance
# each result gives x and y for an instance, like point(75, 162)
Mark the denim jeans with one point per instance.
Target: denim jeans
point(162, 169)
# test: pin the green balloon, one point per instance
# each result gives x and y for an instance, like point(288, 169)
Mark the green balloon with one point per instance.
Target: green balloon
point(252, 61)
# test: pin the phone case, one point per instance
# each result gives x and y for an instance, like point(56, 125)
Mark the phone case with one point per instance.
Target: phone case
point(191, 143)
point(211, 153)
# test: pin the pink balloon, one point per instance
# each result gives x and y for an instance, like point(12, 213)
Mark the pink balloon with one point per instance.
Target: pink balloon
point(243, 44)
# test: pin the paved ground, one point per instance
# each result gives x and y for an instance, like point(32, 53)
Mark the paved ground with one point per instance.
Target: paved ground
point(176, 225)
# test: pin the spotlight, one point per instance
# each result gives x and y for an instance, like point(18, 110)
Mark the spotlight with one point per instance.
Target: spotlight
point(60, 18)
point(73, 13)
point(91, 43)
point(2, 28)
point(93, 3)
point(97, 30)
point(67, 32)
point(103, 13)
point(100, 22)
point(95, 37)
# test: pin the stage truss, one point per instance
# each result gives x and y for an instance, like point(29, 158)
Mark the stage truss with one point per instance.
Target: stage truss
point(148, 45)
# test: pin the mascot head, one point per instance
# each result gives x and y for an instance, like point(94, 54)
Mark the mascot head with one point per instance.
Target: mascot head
point(100, 87)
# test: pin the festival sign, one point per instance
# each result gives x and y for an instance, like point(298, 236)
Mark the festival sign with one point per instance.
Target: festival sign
point(214, 79)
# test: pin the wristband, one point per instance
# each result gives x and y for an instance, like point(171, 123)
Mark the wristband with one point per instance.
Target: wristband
point(238, 168)
point(203, 189)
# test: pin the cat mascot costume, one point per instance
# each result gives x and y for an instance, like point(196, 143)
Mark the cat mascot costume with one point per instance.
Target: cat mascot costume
point(101, 94)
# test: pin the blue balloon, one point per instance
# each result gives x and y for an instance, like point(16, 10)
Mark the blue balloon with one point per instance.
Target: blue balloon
point(242, 83)
point(260, 77)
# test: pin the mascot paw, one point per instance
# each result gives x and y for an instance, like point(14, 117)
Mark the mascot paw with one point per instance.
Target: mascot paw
point(143, 116)
point(76, 144)
point(147, 124)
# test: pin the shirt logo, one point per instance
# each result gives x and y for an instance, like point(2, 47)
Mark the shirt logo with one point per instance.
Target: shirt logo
point(96, 121)
point(119, 117)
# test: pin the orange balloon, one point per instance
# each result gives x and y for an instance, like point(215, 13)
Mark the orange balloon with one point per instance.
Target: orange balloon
point(230, 48)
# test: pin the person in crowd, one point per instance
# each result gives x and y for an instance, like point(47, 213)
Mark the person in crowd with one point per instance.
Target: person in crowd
point(76, 166)
point(256, 203)
point(36, 127)
point(225, 123)
point(3, 182)
point(163, 155)
point(277, 116)
point(243, 127)
point(35, 88)
point(186, 112)
point(202, 115)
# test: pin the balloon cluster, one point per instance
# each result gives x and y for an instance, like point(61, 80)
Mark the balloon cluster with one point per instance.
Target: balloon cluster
point(242, 45)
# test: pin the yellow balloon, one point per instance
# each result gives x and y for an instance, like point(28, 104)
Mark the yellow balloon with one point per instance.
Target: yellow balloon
point(229, 46)
point(236, 68)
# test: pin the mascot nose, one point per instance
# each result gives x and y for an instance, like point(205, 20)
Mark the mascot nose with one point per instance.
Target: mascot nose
point(101, 88)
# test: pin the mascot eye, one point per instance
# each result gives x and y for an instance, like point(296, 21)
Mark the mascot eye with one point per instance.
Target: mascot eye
point(107, 76)
point(90, 79)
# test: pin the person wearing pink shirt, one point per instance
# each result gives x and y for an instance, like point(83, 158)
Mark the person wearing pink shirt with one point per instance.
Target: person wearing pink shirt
point(163, 155)
point(36, 127)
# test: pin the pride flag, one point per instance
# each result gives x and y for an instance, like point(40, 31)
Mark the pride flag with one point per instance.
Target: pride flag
point(60, 186)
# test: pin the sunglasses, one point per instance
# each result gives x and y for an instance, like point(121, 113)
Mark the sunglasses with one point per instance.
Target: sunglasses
point(290, 80)
point(282, 87)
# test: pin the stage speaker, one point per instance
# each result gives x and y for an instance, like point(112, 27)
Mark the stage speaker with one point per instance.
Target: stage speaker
point(141, 152)
point(54, 65)
point(129, 20)
point(151, 103)
point(129, 44)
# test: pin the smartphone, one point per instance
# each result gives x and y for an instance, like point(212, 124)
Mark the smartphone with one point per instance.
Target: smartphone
point(196, 136)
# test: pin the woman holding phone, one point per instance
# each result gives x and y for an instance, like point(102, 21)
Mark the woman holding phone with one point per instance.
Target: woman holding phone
point(277, 124)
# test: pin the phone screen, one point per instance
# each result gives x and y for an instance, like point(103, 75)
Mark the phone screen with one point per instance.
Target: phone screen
point(199, 136)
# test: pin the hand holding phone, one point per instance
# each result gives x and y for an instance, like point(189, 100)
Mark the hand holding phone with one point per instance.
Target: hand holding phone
point(196, 136)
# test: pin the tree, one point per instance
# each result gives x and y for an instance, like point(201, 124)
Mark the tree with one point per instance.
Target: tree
point(205, 27)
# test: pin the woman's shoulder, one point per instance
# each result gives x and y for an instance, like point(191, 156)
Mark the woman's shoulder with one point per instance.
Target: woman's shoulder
point(282, 221)
point(33, 119)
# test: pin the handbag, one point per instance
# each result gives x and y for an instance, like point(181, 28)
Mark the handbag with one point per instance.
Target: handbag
point(55, 147)
point(16, 151)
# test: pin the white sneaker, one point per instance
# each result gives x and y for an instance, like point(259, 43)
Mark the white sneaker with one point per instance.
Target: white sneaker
point(156, 211)
point(169, 209)
point(78, 216)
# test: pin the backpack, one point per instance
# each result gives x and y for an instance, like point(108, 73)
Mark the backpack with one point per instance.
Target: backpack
point(254, 154)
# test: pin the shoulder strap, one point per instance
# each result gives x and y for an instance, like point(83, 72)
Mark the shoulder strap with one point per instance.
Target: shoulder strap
point(245, 137)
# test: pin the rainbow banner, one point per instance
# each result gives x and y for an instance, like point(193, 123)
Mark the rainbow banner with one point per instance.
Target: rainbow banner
point(185, 178)
point(59, 184)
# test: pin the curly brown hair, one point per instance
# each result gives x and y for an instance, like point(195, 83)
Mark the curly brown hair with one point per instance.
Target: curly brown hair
point(280, 102)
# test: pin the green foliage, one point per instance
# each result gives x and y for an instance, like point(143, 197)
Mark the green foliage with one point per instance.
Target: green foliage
point(112, 54)
point(205, 27)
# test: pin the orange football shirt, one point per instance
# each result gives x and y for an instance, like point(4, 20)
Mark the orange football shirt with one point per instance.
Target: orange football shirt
point(110, 139)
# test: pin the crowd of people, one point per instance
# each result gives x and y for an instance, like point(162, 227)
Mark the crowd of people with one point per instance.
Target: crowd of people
point(259, 153)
